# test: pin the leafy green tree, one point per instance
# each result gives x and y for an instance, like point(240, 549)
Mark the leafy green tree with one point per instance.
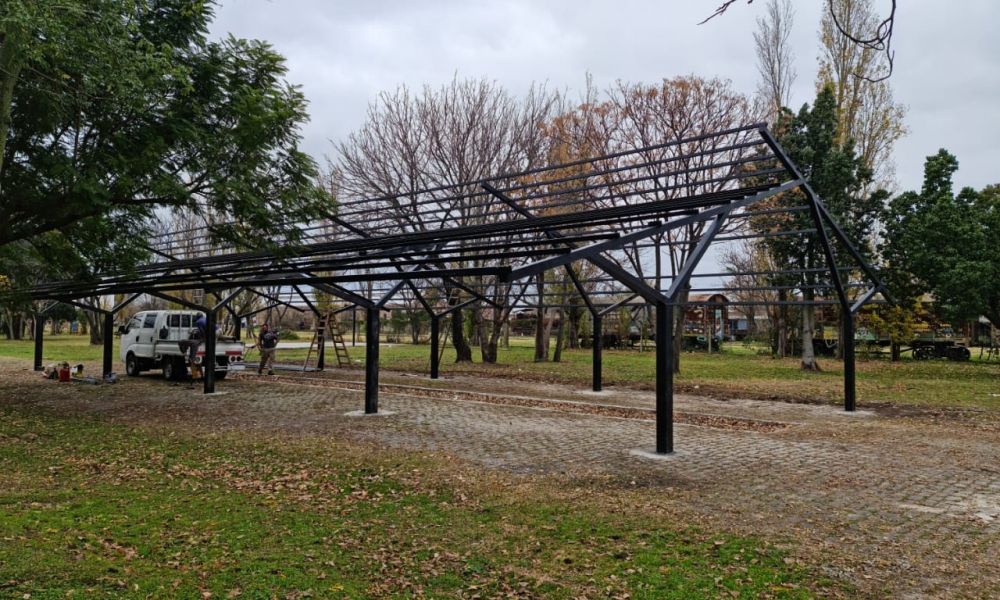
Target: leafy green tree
point(946, 243)
point(114, 111)
point(897, 321)
point(836, 174)
point(59, 314)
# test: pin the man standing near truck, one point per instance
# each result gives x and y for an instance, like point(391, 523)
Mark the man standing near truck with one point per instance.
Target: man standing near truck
point(267, 343)
point(195, 338)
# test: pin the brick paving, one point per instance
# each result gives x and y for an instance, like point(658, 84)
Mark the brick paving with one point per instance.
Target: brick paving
point(903, 505)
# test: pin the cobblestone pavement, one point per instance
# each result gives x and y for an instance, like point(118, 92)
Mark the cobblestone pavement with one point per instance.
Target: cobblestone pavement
point(895, 504)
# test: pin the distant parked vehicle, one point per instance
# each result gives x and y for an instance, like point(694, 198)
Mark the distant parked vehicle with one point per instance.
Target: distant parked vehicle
point(943, 344)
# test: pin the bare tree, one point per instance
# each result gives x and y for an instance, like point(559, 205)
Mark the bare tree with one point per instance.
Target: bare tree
point(675, 110)
point(632, 116)
point(467, 130)
point(876, 38)
point(774, 55)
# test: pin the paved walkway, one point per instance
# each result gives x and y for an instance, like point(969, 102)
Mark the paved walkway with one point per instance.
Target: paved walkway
point(906, 504)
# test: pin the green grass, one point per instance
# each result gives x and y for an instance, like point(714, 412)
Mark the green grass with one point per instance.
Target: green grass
point(55, 349)
point(738, 371)
point(89, 508)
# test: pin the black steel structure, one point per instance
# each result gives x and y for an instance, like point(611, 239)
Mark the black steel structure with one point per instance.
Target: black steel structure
point(487, 242)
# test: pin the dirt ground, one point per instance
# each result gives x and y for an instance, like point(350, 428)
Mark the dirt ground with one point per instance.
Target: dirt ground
point(896, 501)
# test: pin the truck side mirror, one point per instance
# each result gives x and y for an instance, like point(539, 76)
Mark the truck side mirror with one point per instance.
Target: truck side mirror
point(163, 333)
point(122, 329)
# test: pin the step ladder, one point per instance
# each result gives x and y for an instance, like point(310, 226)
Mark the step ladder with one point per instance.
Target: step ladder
point(327, 327)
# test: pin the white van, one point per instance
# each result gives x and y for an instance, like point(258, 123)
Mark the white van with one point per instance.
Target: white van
point(150, 341)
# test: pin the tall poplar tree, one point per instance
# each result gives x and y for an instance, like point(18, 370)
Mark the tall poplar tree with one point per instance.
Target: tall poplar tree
point(868, 113)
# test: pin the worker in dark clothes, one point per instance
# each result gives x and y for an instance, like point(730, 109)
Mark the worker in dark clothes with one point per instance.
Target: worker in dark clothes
point(195, 339)
point(267, 343)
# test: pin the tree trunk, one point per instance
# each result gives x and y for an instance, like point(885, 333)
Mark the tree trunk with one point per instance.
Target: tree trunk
point(8, 324)
point(17, 326)
point(896, 350)
point(95, 326)
point(489, 347)
point(476, 337)
point(573, 335)
point(808, 362)
point(489, 350)
point(678, 325)
point(414, 327)
point(548, 317)
point(463, 351)
point(480, 335)
point(499, 330)
point(56, 326)
point(541, 352)
point(840, 328)
point(557, 357)
point(781, 329)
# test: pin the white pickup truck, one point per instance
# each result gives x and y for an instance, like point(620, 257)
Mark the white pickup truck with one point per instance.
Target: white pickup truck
point(150, 341)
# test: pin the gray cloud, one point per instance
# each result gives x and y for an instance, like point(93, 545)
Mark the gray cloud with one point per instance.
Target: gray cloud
point(344, 53)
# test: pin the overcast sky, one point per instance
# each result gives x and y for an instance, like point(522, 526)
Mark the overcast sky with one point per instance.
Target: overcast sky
point(343, 53)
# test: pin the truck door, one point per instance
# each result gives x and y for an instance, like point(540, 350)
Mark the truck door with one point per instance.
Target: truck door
point(146, 336)
point(131, 334)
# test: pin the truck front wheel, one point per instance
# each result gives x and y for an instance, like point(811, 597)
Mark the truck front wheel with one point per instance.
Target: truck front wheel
point(132, 365)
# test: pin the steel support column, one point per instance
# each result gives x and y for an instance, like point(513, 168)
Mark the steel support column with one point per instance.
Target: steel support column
point(208, 360)
point(435, 357)
point(664, 378)
point(371, 360)
point(109, 340)
point(39, 335)
point(598, 342)
point(237, 326)
point(850, 388)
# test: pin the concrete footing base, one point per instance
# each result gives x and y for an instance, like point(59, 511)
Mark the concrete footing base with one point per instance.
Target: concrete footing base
point(361, 413)
point(651, 454)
